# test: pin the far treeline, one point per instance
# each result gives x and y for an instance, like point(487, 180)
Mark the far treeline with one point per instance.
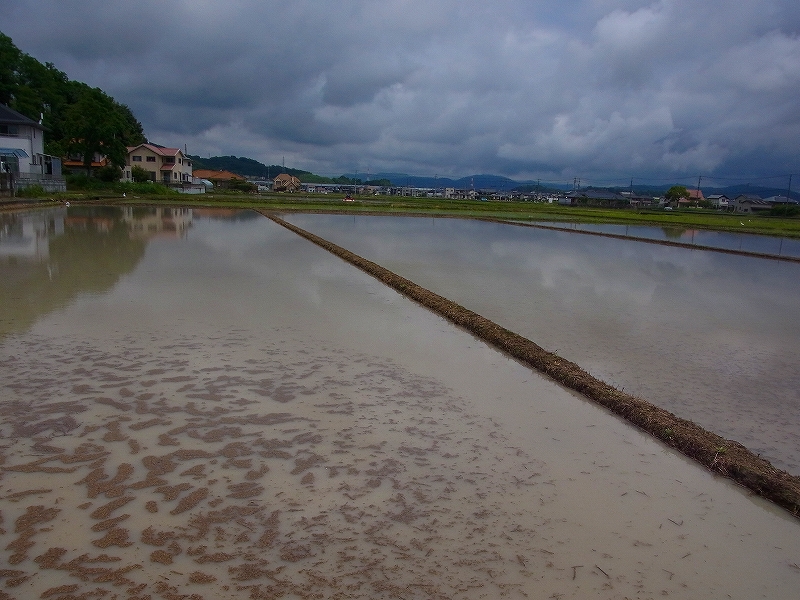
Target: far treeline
point(80, 120)
point(247, 167)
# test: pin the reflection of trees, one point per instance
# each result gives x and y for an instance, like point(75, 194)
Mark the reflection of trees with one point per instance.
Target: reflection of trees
point(94, 250)
point(674, 233)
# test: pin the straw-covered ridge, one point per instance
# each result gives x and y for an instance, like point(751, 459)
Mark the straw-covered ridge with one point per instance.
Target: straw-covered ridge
point(726, 457)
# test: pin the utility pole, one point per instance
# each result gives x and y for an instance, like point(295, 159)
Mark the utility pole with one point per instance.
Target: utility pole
point(699, 179)
point(789, 191)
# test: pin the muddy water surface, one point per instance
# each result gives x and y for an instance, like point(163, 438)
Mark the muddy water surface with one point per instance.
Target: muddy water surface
point(237, 414)
point(713, 338)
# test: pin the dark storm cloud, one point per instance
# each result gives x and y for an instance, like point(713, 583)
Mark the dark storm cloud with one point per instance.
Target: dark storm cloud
point(591, 88)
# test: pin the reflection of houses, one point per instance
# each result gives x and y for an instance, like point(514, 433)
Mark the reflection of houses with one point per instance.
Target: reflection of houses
point(23, 162)
point(216, 213)
point(286, 183)
point(148, 222)
point(89, 222)
point(220, 179)
point(27, 236)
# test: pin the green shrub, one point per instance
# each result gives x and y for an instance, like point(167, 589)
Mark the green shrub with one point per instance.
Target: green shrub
point(32, 191)
point(109, 173)
point(785, 210)
point(139, 175)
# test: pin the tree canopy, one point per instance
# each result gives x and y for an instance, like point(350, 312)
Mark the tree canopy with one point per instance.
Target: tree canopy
point(676, 192)
point(78, 119)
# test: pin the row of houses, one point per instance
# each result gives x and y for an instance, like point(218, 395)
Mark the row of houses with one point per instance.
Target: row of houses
point(23, 163)
point(742, 203)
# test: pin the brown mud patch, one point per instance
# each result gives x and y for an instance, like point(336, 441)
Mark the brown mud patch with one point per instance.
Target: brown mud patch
point(726, 457)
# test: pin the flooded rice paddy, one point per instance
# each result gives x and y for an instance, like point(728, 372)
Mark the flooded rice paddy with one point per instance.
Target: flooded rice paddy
point(712, 337)
point(219, 409)
point(724, 240)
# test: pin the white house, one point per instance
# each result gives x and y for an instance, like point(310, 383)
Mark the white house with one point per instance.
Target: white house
point(22, 159)
point(720, 201)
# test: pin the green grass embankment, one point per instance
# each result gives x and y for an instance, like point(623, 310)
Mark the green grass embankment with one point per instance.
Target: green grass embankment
point(391, 205)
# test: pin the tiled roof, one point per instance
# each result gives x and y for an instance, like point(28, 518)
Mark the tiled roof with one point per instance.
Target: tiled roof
point(9, 116)
point(79, 163)
point(211, 174)
point(156, 149)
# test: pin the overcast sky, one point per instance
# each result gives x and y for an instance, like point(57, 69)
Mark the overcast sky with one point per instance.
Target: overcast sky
point(604, 90)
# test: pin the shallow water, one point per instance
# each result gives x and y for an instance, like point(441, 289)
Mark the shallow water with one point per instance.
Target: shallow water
point(711, 337)
point(239, 414)
point(747, 242)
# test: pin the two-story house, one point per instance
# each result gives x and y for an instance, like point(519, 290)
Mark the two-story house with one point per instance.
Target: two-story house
point(22, 159)
point(169, 166)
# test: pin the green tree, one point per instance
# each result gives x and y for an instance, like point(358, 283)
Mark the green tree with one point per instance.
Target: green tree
point(68, 108)
point(109, 173)
point(139, 175)
point(92, 126)
point(9, 67)
point(676, 192)
point(240, 185)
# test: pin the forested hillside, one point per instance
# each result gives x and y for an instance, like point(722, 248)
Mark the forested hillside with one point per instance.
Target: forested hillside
point(79, 119)
point(247, 167)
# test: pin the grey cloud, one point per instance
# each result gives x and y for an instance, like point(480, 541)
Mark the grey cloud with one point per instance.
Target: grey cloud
point(654, 88)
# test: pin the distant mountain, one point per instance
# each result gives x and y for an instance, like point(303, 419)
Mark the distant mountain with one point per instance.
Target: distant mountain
point(247, 167)
point(478, 182)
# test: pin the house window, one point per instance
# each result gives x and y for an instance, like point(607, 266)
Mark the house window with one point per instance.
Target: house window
point(137, 158)
point(9, 130)
point(151, 159)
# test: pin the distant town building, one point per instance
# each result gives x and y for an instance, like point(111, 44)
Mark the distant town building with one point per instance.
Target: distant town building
point(750, 203)
point(220, 179)
point(719, 200)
